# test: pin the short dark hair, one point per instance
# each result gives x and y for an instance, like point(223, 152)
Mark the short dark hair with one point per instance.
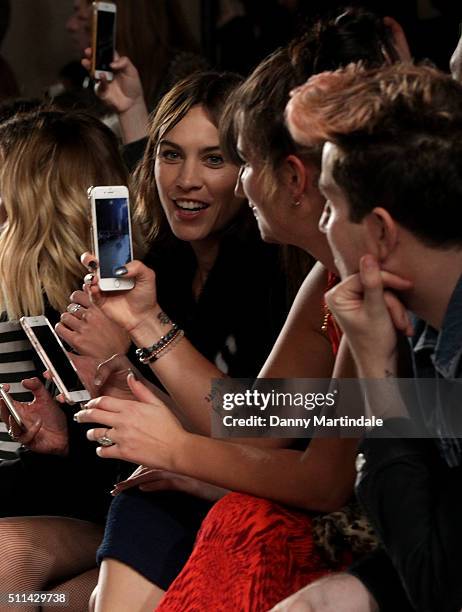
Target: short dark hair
point(399, 131)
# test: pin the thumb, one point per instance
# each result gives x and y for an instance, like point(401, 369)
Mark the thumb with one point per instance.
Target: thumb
point(38, 390)
point(34, 384)
point(140, 391)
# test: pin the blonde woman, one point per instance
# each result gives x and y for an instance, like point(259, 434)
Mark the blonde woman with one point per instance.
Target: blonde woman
point(48, 160)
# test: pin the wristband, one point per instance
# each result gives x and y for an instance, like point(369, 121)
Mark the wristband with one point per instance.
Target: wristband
point(146, 355)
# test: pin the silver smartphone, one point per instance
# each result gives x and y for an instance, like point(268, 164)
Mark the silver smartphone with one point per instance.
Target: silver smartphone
point(111, 235)
point(103, 39)
point(9, 403)
point(55, 359)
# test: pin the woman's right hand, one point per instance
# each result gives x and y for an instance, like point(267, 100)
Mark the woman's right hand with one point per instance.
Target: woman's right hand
point(125, 95)
point(130, 308)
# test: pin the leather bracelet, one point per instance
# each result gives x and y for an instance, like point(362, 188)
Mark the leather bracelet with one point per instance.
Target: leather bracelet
point(146, 355)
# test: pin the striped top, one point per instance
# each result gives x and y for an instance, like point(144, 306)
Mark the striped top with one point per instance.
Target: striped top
point(16, 363)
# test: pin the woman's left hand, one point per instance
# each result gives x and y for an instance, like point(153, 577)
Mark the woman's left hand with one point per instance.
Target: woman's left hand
point(89, 331)
point(143, 431)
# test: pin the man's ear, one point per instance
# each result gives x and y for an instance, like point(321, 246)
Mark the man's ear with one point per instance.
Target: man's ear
point(382, 232)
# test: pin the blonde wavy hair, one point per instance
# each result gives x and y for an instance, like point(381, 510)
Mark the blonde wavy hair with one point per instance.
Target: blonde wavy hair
point(48, 160)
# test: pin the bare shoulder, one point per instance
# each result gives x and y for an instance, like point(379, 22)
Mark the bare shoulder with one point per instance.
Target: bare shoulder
point(302, 350)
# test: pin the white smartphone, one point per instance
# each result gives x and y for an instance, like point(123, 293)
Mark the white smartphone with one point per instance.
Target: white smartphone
point(6, 397)
point(111, 235)
point(55, 359)
point(103, 39)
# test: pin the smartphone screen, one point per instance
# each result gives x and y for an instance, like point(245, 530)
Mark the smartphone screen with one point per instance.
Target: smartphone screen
point(113, 231)
point(58, 357)
point(105, 40)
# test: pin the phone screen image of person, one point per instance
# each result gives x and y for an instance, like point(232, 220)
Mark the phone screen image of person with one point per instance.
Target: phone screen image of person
point(113, 230)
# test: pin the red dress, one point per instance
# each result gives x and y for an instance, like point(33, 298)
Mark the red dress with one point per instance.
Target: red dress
point(250, 552)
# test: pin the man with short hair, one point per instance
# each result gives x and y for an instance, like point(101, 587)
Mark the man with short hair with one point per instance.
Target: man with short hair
point(392, 177)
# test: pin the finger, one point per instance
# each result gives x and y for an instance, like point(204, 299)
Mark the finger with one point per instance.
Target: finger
point(393, 281)
point(109, 452)
point(136, 268)
point(88, 52)
point(89, 260)
point(371, 279)
point(140, 391)
point(71, 321)
point(33, 384)
point(66, 334)
point(399, 314)
point(95, 434)
point(344, 291)
point(86, 64)
point(80, 297)
point(120, 63)
point(115, 364)
point(93, 415)
point(4, 413)
point(109, 404)
point(89, 279)
point(93, 292)
point(77, 311)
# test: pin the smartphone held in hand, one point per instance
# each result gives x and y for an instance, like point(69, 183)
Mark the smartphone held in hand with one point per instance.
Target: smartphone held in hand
point(55, 359)
point(103, 39)
point(111, 235)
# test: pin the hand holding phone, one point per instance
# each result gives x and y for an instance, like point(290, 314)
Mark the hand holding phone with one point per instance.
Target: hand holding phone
point(55, 359)
point(103, 39)
point(112, 236)
point(44, 427)
point(9, 403)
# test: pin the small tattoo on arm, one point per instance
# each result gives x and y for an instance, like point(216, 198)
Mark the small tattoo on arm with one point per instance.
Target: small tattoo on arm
point(389, 374)
point(163, 318)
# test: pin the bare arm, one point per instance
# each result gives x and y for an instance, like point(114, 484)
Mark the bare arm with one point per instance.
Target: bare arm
point(301, 350)
point(320, 479)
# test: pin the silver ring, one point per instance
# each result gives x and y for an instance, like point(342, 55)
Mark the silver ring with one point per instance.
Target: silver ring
point(73, 308)
point(105, 440)
point(11, 434)
point(88, 278)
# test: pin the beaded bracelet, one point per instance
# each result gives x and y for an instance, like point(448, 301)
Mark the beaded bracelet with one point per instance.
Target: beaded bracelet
point(146, 355)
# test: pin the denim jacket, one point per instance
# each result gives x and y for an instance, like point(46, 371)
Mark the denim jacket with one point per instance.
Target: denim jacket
point(439, 355)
